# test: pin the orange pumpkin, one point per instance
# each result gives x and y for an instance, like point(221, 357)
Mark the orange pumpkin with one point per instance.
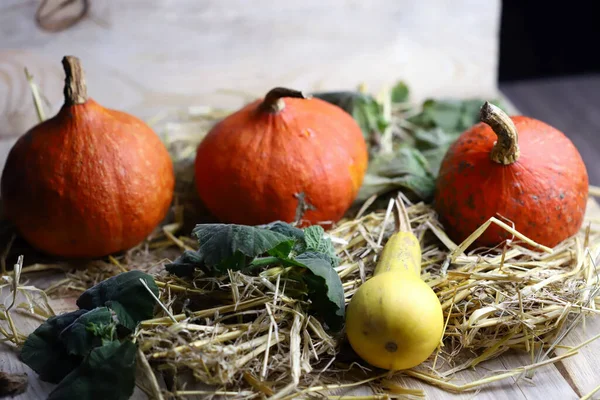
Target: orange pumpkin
point(89, 181)
point(517, 169)
point(259, 163)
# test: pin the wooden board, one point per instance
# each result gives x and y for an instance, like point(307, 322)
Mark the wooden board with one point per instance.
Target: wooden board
point(144, 56)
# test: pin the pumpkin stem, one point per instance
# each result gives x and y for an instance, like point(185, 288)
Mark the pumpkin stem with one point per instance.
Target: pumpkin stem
point(75, 89)
point(506, 149)
point(273, 101)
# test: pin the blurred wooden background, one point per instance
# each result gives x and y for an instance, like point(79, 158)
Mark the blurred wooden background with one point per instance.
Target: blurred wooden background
point(143, 56)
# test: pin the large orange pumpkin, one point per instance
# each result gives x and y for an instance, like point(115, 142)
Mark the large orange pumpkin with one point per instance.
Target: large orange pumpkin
point(259, 163)
point(89, 181)
point(518, 169)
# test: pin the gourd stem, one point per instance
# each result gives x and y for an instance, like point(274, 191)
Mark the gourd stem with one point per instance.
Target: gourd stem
point(75, 89)
point(273, 101)
point(506, 149)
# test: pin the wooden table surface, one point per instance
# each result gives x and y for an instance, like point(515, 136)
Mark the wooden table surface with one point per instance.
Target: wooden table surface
point(410, 40)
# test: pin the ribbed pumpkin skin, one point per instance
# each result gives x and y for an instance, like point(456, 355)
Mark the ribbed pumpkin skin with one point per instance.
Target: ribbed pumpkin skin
point(544, 193)
point(88, 182)
point(251, 165)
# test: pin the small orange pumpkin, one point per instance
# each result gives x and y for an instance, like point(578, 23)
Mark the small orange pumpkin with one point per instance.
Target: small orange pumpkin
point(515, 168)
point(89, 181)
point(257, 164)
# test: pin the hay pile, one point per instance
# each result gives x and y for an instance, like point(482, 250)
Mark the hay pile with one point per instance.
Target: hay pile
point(251, 334)
point(247, 335)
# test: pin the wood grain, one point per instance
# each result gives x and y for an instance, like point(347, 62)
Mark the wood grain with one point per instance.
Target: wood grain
point(581, 370)
point(547, 383)
point(143, 56)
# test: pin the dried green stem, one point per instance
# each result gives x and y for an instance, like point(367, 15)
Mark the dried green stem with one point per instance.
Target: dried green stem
point(35, 92)
point(506, 149)
point(590, 394)
point(75, 88)
point(273, 101)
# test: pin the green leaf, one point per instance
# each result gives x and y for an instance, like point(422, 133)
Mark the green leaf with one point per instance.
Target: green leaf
point(406, 169)
point(316, 241)
point(106, 332)
point(400, 93)
point(406, 161)
point(285, 229)
point(295, 234)
point(434, 138)
point(84, 333)
point(450, 115)
point(232, 246)
point(222, 243)
point(45, 353)
point(126, 295)
point(365, 110)
point(108, 372)
point(434, 157)
point(283, 249)
point(226, 246)
point(185, 264)
point(325, 288)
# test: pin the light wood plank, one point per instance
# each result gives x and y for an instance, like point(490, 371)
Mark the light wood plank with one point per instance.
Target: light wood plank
point(143, 56)
point(547, 383)
point(583, 369)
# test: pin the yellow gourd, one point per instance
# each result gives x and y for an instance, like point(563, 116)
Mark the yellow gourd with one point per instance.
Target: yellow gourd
point(394, 320)
point(401, 252)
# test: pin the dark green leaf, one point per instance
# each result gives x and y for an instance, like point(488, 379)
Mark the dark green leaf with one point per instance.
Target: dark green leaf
point(226, 246)
point(295, 234)
point(185, 264)
point(315, 240)
point(125, 294)
point(325, 288)
point(81, 336)
point(285, 229)
point(108, 372)
point(45, 353)
point(400, 93)
point(365, 110)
